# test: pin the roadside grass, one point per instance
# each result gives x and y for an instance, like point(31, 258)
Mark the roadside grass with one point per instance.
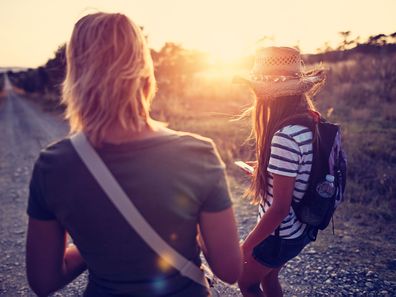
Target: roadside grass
point(364, 102)
point(2, 93)
point(359, 94)
point(2, 97)
point(215, 116)
point(353, 96)
point(1, 82)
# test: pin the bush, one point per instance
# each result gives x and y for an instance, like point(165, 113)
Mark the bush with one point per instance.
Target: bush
point(1, 82)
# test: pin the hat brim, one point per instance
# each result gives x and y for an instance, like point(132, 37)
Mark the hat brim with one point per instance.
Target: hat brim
point(279, 86)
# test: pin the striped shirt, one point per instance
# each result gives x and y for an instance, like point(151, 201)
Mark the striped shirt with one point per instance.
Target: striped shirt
point(291, 155)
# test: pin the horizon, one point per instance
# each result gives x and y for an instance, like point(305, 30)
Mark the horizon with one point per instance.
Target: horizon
point(32, 32)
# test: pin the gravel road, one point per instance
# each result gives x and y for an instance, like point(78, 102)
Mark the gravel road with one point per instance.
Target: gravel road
point(359, 260)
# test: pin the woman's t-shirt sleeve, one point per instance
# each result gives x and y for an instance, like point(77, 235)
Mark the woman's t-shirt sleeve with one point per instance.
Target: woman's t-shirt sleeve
point(218, 196)
point(285, 155)
point(37, 206)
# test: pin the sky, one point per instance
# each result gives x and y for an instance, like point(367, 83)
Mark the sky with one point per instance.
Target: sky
point(32, 30)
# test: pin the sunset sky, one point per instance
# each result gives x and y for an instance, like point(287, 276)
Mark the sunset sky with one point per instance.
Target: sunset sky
point(32, 30)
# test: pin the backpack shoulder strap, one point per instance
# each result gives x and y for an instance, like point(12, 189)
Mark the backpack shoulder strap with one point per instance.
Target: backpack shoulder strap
point(130, 213)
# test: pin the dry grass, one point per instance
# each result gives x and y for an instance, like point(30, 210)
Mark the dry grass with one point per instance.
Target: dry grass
point(358, 95)
point(211, 112)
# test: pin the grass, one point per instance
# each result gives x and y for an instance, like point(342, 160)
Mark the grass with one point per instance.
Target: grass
point(360, 94)
point(2, 93)
point(354, 97)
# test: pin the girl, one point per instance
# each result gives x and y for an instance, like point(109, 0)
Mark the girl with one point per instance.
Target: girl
point(284, 159)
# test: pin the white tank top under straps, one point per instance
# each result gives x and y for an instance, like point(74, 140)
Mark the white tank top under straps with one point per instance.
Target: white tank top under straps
point(291, 155)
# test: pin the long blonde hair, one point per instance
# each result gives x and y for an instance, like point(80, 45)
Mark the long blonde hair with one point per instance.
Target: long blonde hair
point(268, 116)
point(110, 76)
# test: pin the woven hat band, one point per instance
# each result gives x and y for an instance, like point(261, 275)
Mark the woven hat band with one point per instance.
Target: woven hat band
point(277, 61)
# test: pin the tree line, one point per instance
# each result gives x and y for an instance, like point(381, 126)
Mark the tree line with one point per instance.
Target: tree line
point(175, 65)
point(1, 82)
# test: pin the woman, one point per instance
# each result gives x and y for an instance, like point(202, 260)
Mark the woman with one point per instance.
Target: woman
point(176, 180)
point(284, 158)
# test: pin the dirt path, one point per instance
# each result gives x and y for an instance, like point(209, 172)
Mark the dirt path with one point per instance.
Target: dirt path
point(24, 130)
point(360, 260)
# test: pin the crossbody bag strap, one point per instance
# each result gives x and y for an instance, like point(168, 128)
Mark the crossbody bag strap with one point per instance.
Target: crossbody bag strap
point(125, 206)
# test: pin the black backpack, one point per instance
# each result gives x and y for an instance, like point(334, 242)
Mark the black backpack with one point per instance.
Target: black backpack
point(328, 158)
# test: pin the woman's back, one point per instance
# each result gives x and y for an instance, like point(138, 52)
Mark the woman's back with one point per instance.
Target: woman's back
point(177, 181)
point(170, 178)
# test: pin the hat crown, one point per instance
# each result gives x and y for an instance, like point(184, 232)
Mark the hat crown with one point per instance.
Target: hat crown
point(285, 61)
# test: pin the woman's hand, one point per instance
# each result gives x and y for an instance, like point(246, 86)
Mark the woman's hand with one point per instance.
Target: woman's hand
point(50, 265)
point(219, 240)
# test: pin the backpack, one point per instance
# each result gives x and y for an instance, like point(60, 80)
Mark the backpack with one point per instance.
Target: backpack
point(328, 158)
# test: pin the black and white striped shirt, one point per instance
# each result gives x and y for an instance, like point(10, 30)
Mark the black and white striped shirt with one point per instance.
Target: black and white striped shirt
point(291, 155)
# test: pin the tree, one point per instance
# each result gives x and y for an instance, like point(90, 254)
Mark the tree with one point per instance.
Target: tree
point(175, 65)
point(346, 42)
point(379, 39)
point(56, 70)
point(325, 48)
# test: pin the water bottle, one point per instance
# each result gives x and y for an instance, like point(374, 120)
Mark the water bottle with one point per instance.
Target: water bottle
point(326, 188)
point(318, 210)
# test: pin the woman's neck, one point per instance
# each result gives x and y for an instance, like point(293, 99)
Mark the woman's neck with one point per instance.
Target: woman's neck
point(117, 134)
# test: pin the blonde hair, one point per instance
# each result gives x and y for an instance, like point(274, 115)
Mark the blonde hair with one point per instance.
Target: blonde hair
point(110, 76)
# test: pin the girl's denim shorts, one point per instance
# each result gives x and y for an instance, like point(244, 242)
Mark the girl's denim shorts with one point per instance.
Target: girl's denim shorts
point(275, 251)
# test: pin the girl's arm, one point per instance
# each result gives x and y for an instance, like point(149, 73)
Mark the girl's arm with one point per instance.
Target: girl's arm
point(283, 187)
point(220, 242)
point(50, 265)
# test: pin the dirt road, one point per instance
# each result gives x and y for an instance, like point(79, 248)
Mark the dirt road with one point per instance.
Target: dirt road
point(360, 260)
point(24, 130)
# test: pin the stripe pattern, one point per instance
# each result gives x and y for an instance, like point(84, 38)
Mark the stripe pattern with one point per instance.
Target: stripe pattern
point(291, 155)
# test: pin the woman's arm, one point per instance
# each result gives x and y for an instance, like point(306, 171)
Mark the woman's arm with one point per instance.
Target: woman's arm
point(283, 187)
point(50, 265)
point(220, 243)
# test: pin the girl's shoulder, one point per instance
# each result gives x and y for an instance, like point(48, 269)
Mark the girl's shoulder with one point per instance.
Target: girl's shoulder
point(296, 136)
point(296, 133)
point(294, 130)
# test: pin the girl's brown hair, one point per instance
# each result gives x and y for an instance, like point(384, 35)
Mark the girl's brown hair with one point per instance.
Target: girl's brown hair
point(270, 115)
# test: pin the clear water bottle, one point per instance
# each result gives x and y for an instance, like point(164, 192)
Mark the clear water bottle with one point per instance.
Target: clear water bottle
point(326, 188)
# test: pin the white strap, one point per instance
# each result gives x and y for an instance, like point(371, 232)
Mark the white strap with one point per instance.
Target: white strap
point(125, 206)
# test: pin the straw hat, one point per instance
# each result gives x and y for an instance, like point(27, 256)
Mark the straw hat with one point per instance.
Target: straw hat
point(278, 71)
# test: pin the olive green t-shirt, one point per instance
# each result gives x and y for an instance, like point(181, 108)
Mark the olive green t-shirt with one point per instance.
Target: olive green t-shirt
point(170, 178)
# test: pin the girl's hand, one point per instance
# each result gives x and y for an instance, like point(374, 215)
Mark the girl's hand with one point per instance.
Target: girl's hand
point(247, 250)
point(252, 163)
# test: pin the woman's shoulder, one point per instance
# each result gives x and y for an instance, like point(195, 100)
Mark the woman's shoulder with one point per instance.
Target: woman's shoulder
point(56, 153)
point(196, 147)
point(192, 140)
point(58, 147)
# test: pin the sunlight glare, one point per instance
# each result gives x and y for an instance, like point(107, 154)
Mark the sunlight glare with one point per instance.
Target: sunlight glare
point(164, 261)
